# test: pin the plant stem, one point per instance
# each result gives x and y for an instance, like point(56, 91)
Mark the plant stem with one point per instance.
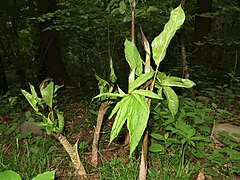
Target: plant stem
point(73, 153)
point(143, 165)
point(133, 7)
point(102, 110)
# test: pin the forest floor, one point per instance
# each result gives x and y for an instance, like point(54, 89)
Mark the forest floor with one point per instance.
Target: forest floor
point(30, 155)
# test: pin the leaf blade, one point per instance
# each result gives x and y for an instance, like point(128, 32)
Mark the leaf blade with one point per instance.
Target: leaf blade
point(122, 115)
point(140, 80)
point(172, 100)
point(133, 57)
point(146, 93)
point(161, 42)
point(137, 121)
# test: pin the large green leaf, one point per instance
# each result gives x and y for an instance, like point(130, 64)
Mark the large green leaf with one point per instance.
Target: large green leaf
point(137, 120)
point(140, 80)
point(9, 175)
point(172, 100)
point(49, 175)
point(135, 110)
point(123, 113)
point(178, 82)
point(47, 94)
point(133, 57)
point(161, 42)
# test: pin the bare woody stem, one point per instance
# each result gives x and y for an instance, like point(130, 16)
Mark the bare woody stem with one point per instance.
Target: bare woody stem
point(143, 164)
point(133, 6)
point(102, 110)
point(73, 153)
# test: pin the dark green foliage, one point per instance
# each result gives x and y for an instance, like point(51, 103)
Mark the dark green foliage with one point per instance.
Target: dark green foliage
point(91, 34)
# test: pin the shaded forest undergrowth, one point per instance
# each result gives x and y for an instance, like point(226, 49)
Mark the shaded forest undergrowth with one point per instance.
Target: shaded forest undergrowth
point(178, 150)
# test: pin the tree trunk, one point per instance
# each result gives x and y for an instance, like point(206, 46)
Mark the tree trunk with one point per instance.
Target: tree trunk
point(202, 29)
point(3, 79)
point(51, 63)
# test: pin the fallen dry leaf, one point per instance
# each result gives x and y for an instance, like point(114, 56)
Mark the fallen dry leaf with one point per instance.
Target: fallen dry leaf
point(201, 176)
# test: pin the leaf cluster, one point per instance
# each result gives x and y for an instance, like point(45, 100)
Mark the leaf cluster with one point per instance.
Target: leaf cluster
point(54, 120)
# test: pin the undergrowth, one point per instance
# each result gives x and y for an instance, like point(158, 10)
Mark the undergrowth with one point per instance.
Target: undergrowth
point(180, 148)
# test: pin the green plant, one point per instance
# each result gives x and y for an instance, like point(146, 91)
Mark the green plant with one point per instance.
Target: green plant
point(118, 169)
point(185, 131)
point(50, 122)
point(11, 175)
point(104, 87)
point(134, 106)
point(225, 159)
point(172, 167)
point(172, 138)
point(53, 122)
point(26, 154)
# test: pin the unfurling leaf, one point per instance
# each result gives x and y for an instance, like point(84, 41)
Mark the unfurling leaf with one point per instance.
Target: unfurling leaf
point(113, 77)
point(131, 76)
point(145, 43)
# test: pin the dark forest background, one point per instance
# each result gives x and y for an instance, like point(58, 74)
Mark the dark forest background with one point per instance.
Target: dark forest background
point(70, 41)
